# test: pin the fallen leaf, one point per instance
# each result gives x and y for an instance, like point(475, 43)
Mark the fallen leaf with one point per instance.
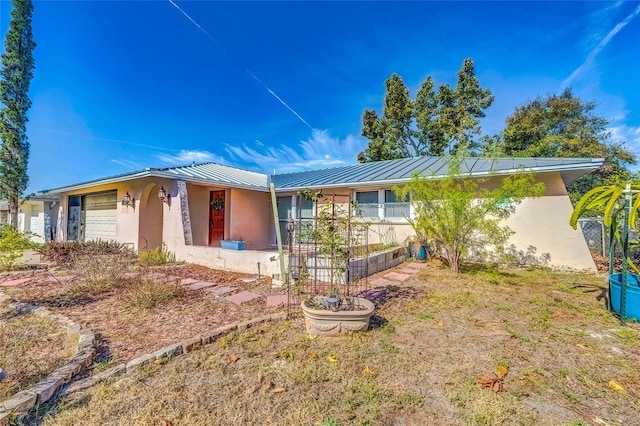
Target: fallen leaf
point(368, 372)
point(252, 389)
point(440, 323)
point(157, 362)
point(311, 336)
point(233, 357)
point(616, 387)
point(502, 371)
point(332, 358)
point(559, 314)
point(278, 390)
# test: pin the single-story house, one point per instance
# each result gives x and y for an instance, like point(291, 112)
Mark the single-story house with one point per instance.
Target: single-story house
point(190, 209)
point(36, 215)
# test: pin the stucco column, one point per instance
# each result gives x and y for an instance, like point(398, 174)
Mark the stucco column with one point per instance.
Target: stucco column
point(184, 210)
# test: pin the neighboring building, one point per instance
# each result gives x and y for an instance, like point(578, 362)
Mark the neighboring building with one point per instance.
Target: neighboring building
point(190, 209)
point(36, 215)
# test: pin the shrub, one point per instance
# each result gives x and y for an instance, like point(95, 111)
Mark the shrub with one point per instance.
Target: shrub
point(100, 273)
point(149, 294)
point(156, 257)
point(68, 252)
point(13, 243)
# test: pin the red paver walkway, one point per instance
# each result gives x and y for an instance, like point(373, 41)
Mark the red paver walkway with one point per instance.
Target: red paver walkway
point(14, 283)
point(277, 300)
point(397, 276)
point(219, 291)
point(200, 285)
point(242, 297)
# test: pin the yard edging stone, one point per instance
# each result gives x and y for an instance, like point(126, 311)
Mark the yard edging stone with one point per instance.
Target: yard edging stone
point(170, 351)
point(23, 401)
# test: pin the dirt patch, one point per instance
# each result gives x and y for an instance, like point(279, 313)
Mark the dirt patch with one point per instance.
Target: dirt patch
point(547, 336)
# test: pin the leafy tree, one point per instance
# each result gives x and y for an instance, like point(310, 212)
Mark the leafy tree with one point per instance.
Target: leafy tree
point(434, 123)
point(457, 213)
point(566, 126)
point(15, 78)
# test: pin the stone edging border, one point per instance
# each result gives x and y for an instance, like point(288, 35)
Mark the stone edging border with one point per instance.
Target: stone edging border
point(42, 392)
point(171, 351)
point(25, 400)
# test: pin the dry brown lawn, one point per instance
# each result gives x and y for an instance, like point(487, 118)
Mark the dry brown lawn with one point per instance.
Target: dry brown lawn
point(31, 347)
point(568, 362)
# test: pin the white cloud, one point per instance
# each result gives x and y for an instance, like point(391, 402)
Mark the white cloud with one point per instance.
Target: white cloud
point(186, 156)
point(321, 150)
point(128, 164)
point(630, 135)
point(588, 63)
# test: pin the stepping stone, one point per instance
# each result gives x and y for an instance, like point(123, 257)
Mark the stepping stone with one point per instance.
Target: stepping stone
point(397, 276)
point(187, 281)
point(15, 283)
point(381, 282)
point(242, 297)
point(416, 265)
point(200, 285)
point(277, 300)
point(249, 280)
point(219, 291)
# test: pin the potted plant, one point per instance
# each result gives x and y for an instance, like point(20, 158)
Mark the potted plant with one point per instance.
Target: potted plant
point(337, 312)
point(619, 207)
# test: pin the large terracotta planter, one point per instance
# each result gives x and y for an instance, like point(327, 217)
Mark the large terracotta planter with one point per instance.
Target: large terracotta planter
point(328, 323)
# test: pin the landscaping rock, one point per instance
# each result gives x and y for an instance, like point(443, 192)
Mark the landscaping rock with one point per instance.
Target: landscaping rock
point(73, 329)
point(211, 336)
point(242, 297)
point(47, 388)
point(2, 374)
point(22, 401)
point(95, 379)
point(168, 351)
point(87, 340)
point(141, 360)
point(191, 345)
point(227, 328)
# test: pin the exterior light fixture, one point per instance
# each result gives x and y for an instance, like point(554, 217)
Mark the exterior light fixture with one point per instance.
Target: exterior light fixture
point(162, 194)
point(128, 200)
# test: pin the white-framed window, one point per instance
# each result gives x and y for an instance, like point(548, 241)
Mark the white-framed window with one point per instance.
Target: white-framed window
point(382, 204)
point(395, 207)
point(368, 204)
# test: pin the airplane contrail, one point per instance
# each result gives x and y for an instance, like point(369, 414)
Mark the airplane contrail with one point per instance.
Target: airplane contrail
point(596, 50)
point(267, 88)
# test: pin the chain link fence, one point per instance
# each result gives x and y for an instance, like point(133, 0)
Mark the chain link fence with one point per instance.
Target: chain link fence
point(594, 234)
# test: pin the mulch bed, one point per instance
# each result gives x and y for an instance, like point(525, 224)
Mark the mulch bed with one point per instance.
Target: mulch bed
point(124, 331)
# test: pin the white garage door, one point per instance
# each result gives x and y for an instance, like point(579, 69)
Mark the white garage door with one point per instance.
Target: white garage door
point(100, 216)
point(36, 223)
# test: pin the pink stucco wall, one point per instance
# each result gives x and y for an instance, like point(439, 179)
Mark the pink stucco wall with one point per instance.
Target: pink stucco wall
point(250, 218)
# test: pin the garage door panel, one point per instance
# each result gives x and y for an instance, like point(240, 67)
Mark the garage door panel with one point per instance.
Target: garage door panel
point(100, 216)
point(100, 224)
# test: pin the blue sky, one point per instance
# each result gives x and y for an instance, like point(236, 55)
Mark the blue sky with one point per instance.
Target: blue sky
point(121, 86)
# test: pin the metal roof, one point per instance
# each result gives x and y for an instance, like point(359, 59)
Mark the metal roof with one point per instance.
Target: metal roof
point(389, 172)
point(392, 172)
point(207, 173)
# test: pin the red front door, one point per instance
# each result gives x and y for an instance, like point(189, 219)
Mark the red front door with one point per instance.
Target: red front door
point(216, 217)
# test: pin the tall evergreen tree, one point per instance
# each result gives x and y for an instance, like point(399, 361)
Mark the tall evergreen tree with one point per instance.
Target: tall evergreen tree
point(15, 78)
point(437, 122)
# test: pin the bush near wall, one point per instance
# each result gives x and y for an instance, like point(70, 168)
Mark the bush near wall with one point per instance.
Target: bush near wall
point(13, 243)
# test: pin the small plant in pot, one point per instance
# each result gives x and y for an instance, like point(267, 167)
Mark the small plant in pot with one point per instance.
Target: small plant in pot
point(338, 312)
